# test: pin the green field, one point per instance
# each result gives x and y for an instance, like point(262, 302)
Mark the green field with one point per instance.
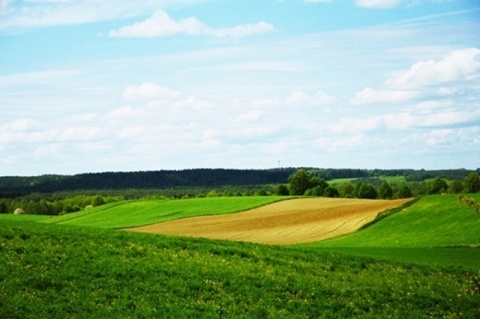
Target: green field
point(143, 212)
point(59, 271)
point(435, 230)
point(421, 262)
point(389, 179)
point(435, 220)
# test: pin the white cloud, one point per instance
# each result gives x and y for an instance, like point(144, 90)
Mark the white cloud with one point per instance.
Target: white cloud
point(40, 13)
point(459, 65)
point(455, 73)
point(148, 91)
point(22, 126)
point(349, 125)
point(161, 24)
point(79, 134)
point(297, 97)
point(378, 4)
point(369, 95)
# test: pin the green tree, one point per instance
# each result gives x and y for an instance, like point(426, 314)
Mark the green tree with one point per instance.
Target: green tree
point(331, 191)
point(282, 190)
point(404, 191)
point(314, 191)
point(367, 191)
point(3, 207)
point(456, 186)
point(385, 190)
point(299, 182)
point(348, 190)
point(472, 183)
point(97, 201)
point(438, 186)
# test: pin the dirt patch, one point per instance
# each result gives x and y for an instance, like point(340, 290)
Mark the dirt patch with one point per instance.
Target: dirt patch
point(282, 223)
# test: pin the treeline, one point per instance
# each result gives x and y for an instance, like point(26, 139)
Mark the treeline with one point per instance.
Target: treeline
point(64, 202)
point(308, 183)
point(14, 186)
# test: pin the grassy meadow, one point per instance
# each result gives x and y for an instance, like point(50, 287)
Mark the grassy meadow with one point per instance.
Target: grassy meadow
point(435, 230)
point(421, 262)
point(59, 271)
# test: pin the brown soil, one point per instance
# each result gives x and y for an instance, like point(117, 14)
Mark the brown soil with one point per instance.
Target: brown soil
point(282, 223)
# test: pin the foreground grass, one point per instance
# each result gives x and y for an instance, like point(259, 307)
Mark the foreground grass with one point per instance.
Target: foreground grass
point(55, 271)
point(445, 257)
point(144, 212)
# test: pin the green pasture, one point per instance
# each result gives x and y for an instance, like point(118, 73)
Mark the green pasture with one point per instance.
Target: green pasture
point(143, 212)
point(435, 231)
point(57, 271)
point(433, 221)
point(389, 179)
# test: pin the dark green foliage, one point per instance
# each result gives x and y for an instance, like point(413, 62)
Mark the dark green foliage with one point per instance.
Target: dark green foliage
point(385, 191)
point(299, 182)
point(438, 186)
point(282, 190)
point(51, 271)
point(348, 190)
point(472, 183)
point(331, 191)
point(303, 182)
point(404, 191)
point(98, 201)
point(366, 191)
point(143, 180)
point(3, 207)
point(456, 186)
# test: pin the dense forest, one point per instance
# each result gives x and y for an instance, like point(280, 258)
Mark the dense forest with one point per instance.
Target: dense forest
point(205, 178)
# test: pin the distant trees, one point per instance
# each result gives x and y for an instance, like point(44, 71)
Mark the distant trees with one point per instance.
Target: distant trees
point(303, 182)
point(404, 191)
point(438, 186)
point(300, 181)
point(472, 183)
point(366, 191)
point(456, 186)
point(385, 191)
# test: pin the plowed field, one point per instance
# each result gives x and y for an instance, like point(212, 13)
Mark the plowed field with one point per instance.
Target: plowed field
point(282, 223)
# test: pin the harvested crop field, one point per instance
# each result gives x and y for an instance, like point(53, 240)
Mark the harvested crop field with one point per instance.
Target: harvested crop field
point(283, 223)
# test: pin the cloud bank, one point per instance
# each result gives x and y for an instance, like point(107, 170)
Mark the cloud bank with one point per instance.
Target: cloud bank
point(161, 24)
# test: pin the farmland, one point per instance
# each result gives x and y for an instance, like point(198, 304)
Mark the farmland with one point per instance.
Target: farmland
point(143, 212)
point(286, 222)
point(420, 262)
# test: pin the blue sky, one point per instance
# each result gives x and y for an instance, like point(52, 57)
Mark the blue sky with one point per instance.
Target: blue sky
point(116, 85)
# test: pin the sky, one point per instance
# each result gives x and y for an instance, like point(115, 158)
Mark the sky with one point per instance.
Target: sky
point(119, 85)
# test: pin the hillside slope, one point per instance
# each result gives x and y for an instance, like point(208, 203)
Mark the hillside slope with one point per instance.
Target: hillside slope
point(433, 221)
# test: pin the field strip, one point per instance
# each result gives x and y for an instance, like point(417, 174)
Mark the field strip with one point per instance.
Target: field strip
point(287, 222)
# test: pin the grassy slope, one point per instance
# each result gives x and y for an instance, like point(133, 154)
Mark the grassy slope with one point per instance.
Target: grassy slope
point(424, 233)
point(432, 221)
point(55, 271)
point(144, 212)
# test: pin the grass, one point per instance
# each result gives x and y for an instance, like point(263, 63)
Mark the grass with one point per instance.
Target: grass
point(389, 179)
point(433, 221)
point(57, 271)
point(434, 231)
point(444, 257)
point(144, 212)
